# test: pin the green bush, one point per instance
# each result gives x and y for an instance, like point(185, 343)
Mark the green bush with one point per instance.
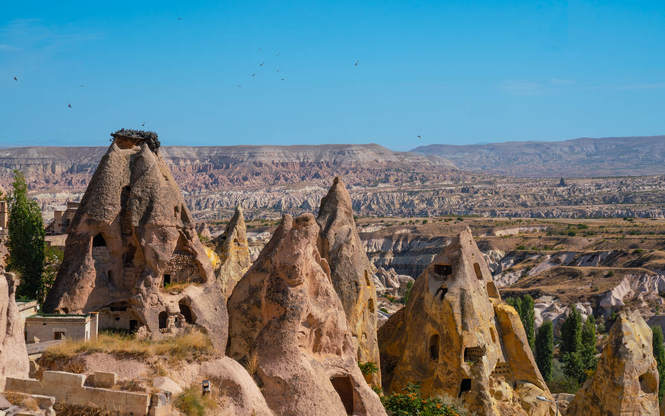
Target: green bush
point(368, 368)
point(412, 404)
point(610, 273)
point(191, 402)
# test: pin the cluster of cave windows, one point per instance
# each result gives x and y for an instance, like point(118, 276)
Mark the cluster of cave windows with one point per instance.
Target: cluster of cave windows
point(185, 311)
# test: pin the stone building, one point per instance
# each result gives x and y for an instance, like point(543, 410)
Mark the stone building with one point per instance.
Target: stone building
point(459, 339)
point(132, 252)
point(45, 327)
point(62, 219)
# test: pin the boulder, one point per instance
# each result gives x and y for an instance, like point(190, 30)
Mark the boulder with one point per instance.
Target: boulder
point(233, 251)
point(132, 238)
point(350, 271)
point(459, 339)
point(626, 378)
point(304, 354)
point(166, 384)
point(14, 360)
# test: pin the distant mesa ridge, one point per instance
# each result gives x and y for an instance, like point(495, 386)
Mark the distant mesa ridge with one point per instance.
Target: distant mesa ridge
point(585, 157)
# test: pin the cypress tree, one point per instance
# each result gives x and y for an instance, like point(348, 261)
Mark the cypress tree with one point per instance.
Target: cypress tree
point(26, 240)
point(545, 350)
point(659, 355)
point(589, 344)
point(571, 332)
point(528, 316)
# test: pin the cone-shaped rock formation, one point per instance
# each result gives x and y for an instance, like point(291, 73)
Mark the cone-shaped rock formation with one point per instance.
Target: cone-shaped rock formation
point(626, 379)
point(132, 252)
point(245, 319)
point(350, 270)
point(304, 352)
point(459, 339)
point(13, 355)
point(233, 251)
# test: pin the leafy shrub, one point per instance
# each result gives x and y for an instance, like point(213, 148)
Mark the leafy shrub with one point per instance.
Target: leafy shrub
point(368, 368)
point(610, 273)
point(191, 402)
point(412, 404)
point(520, 247)
point(384, 310)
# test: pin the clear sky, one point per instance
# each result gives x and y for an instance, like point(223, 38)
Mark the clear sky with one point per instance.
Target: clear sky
point(456, 72)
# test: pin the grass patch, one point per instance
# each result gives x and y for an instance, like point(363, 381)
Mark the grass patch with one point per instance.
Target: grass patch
point(192, 402)
point(62, 409)
point(177, 287)
point(21, 400)
point(194, 346)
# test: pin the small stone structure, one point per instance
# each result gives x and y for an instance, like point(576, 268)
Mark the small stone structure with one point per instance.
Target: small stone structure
point(626, 378)
point(13, 354)
point(4, 217)
point(133, 239)
point(62, 219)
point(69, 388)
point(47, 327)
point(459, 339)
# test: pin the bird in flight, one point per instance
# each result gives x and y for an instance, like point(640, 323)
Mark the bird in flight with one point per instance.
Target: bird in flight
point(259, 48)
point(357, 63)
point(15, 79)
point(278, 69)
point(419, 137)
point(143, 124)
point(239, 86)
point(253, 74)
point(282, 79)
point(261, 64)
point(277, 55)
point(180, 18)
point(82, 86)
point(70, 106)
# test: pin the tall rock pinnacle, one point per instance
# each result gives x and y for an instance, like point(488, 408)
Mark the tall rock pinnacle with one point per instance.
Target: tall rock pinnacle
point(350, 270)
point(233, 251)
point(459, 339)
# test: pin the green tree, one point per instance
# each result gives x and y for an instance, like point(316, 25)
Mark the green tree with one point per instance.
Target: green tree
point(525, 308)
point(571, 332)
point(571, 346)
point(545, 350)
point(405, 298)
point(26, 240)
point(659, 355)
point(589, 345)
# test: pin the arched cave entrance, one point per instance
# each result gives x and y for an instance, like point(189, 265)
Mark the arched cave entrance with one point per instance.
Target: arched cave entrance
point(99, 241)
point(187, 313)
point(476, 268)
point(344, 389)
point(465, 385)
point(434, 347)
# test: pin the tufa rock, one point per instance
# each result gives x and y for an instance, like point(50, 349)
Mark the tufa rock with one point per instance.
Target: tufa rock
point(350, 271)
point(459, 339)
point(233, 251)
point(245, 319)
point(131, 238)
point(14, 360)
point(626, 378)
point(303, 353)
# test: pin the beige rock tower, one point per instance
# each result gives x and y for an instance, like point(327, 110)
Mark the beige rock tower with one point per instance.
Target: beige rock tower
point(132, 252)
point(13, 355)
point(626, 379)
point(459, 339)
point(350, 270)
point(286, 317)
point(233, 251)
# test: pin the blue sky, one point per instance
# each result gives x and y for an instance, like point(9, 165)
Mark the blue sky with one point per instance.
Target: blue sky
point(456, 72)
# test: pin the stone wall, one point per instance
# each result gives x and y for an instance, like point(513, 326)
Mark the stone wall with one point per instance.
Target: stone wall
point(69, 388)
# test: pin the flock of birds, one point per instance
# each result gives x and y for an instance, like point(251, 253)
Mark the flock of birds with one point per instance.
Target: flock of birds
point(69, 105)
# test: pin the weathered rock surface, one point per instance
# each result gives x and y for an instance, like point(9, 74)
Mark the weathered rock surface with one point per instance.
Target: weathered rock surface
point(390, 281)
point(132, 235)
point(13, 355)
point(626, 379)
point(304, 351)
point(350, 271)
point(233, 251)
point(459, 339)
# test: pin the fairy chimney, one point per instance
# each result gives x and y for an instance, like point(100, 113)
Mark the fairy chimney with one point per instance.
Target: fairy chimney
point(459, 339)
point(233, 251)
point(626, 378)
point(132, 252)
point(13, 355)
point(350, 270)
